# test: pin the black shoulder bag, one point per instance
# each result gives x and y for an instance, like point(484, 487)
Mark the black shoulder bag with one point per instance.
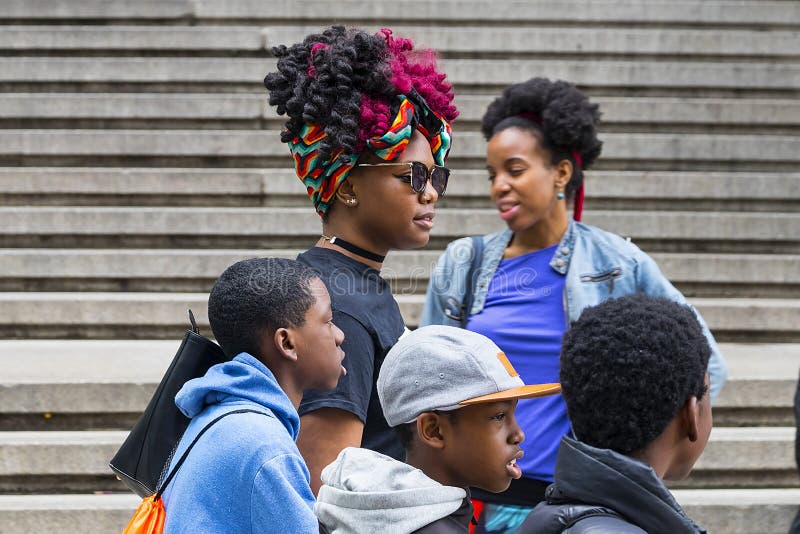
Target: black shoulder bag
point(142, 460)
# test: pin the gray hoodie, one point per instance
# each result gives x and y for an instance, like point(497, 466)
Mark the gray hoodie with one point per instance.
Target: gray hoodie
point(365, 491)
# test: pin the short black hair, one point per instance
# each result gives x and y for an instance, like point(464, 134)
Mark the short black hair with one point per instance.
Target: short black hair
point(407, 431)
point(255, 297)
point(627, 367)
point(560, 117)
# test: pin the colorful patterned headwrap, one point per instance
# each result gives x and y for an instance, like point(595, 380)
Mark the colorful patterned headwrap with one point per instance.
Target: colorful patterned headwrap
point(322, 177)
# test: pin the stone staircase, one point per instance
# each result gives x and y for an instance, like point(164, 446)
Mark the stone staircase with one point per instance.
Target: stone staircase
point(139, 158)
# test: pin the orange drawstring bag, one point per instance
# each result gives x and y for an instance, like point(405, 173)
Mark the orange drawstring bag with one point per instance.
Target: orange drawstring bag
point(148, 518)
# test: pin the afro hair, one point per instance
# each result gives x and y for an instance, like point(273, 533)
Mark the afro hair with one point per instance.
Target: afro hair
point(628, 365)
point(253, 298)
point(346, 80)
point(561, 117)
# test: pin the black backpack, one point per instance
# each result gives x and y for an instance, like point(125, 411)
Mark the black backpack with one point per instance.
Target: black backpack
point(142, 460)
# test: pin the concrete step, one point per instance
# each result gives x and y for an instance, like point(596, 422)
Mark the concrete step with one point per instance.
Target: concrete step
point(194, 270)
point(734, 319)
point(89, 514)
point(145, 227)
point(80, 384)
point(739, 75)
point(252, 107)
point(742, 511)
point(714, 12)
point(643, 149)
point(468, 188)
point(71, 461)
point(163, 315)
point(447, 40)
point(119, 38)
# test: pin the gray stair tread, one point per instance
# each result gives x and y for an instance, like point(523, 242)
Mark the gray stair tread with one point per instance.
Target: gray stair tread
point(715, 497)
point(658, 41)
point(733, 497)
point(85, 376)
point(587, 72)
point(539, 10)
point(632, 11)
point(122, 501)
point(159, 37)
point(62, 437)
point(251, 143)
point(692, 226)
point(85, 361)
point(207, 264)
point(169, 309)
point(634, 110)
point(87, 452)
point(138, 361)
point(102, 9)
point(463, 183)
point(733, 511)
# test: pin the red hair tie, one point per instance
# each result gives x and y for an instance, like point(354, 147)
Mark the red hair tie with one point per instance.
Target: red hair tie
point(577, 212)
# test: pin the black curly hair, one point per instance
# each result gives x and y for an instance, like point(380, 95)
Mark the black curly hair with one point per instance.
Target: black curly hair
point(558, 114)
point(627, 367)
point(351, 63)
point(255, 297)
point(345, 79)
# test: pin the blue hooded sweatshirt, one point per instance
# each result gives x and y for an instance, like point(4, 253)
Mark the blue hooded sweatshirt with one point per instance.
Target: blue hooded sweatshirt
point(245, 473)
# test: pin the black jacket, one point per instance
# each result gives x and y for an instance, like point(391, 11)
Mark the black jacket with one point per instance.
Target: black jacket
point(599, 490)
point(455, 523)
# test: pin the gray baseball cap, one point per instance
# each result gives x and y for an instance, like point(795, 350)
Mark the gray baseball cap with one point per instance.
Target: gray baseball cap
point(444, 368)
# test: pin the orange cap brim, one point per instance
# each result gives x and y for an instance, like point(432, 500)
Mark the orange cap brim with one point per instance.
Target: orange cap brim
point(521, 392)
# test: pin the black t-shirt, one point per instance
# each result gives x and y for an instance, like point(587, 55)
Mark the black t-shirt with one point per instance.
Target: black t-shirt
point(365, 310)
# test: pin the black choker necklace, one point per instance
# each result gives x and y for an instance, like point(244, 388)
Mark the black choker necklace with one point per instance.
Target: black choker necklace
point(358, 251)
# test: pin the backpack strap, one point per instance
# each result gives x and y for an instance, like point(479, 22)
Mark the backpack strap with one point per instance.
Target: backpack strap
point(472, 279)
point(189, 448)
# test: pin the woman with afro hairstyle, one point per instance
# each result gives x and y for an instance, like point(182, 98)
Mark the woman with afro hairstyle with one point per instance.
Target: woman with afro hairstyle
point(368, 130)
point(533, 279)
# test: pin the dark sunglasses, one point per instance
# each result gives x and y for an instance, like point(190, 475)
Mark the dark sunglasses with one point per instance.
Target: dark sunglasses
point(420, 175)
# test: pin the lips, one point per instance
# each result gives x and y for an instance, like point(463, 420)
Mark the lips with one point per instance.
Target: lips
point(512, 468)
point(425, 220)
point(508, 210)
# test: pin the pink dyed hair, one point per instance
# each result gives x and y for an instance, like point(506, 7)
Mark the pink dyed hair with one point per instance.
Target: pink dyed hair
point(408, 68)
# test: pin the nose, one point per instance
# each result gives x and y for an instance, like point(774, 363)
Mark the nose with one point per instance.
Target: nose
point(500, 186)
point(429, 194)
point(338, 336)
point(517, 435)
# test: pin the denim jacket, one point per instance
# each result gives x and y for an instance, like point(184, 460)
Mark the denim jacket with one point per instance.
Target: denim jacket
point(598, 265)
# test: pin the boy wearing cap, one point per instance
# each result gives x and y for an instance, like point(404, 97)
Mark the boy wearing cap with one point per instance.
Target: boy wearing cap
point(451, 396)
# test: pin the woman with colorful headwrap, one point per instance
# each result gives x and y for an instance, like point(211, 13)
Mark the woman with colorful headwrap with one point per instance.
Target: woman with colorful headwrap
point(368, 130)
point(538, 275)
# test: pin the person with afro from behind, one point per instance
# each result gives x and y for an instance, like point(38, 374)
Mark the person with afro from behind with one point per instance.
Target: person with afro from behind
point(534, 278)
point(633, 375)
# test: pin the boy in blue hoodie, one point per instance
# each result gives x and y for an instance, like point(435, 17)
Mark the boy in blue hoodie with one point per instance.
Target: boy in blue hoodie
point(273, 318)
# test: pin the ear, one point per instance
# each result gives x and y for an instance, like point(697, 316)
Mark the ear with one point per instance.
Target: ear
point(564, 173)
point(691, 417)
point(429, 430)
point(284, 342)
point(346, 193)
